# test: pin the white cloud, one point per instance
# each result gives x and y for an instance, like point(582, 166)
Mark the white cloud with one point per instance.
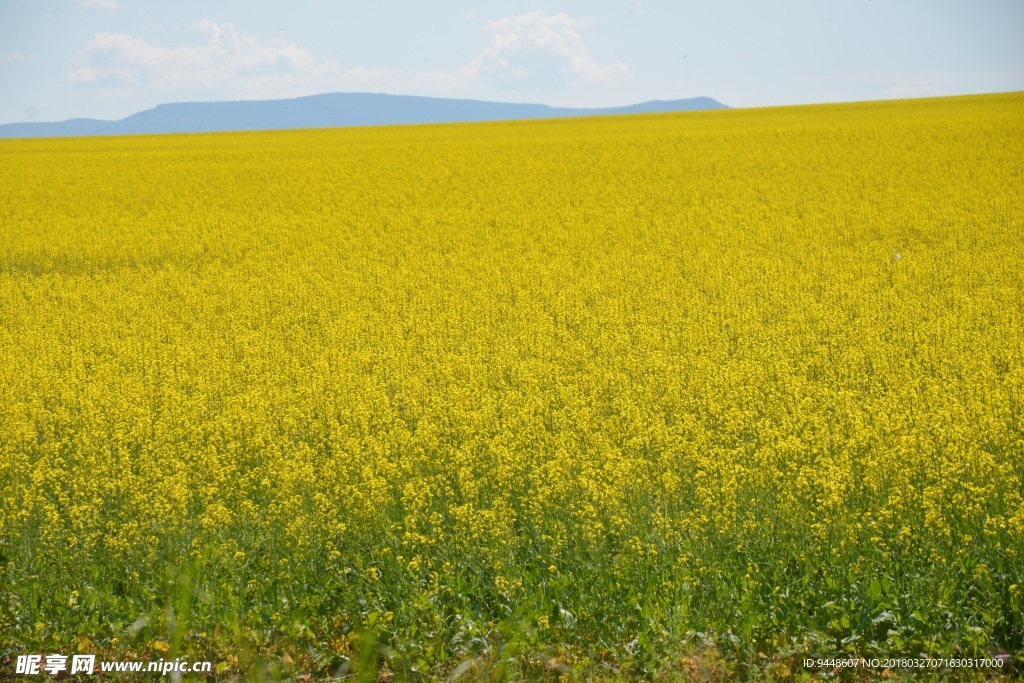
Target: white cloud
point(555, 37)
point(223, 63)
point(100, 5)
point(229, 62)
point(910, 91)
point(14, 56)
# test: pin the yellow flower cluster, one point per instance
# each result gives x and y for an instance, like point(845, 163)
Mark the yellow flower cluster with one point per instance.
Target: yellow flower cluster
point(673, 372)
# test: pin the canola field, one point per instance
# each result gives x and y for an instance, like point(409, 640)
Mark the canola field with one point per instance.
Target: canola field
point(626, 397)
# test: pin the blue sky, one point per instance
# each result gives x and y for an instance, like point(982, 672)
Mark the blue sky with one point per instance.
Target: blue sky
point(109, 58)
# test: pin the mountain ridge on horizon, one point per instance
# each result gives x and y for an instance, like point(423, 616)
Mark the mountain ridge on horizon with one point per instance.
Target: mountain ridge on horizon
point(329, 110)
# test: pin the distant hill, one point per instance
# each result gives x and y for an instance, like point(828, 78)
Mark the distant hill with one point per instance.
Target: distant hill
point(326, 111)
